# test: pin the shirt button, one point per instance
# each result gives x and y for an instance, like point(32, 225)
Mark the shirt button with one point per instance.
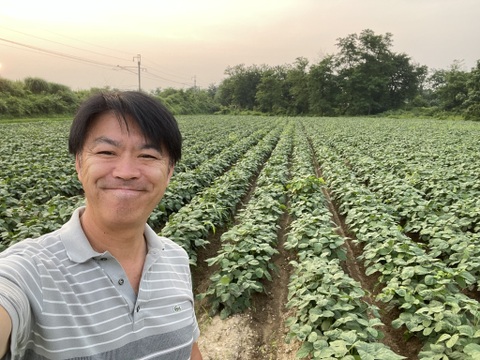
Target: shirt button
point(120, 281)
point(138, 308)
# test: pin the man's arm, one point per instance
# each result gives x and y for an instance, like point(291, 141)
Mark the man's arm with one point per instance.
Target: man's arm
point(196, 355)
point(5, 331)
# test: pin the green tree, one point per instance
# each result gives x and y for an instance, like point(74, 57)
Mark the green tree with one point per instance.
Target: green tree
point(224, 93)
point(323, 88)
point(14, 88)
point(272, 94)
point(36, 97)
point(372, 78)
point(450, 87)
point(238, 91)
point(406, 81)
point(297, 79)
point(472, 102)
point(37, 85)
point(189, 101)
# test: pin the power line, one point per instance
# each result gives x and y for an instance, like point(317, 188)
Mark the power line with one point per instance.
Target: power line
point(56, 53)
point(67, 45)
point(167, 72)
point(151, 75)
point(97, 53)
point(158, 77)
point(189, 77)
point(91, 44)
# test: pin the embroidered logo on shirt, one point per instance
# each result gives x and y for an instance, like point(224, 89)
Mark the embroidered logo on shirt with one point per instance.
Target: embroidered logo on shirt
point(177, 308)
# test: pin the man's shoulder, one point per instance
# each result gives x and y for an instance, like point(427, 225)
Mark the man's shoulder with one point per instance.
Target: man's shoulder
point(44, 243)
point(51, 241)
point(156, 241)
point(170, 247)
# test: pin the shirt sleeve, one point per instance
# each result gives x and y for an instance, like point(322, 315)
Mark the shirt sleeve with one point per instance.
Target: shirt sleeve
point(196, 329)
point(16, 303)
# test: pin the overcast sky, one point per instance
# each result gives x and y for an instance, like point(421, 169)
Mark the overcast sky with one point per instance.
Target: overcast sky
point(95, 43)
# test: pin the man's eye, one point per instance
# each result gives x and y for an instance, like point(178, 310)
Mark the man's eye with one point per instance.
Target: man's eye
point(148, 156)
point(105, 152)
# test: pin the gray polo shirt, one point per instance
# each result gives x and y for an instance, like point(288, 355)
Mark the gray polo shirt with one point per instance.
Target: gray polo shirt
point(68, 301)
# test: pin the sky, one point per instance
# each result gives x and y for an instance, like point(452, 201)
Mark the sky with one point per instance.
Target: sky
point(185, 43)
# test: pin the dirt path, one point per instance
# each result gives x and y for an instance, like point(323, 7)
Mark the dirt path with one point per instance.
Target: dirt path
point(260, 332)
point(270, 312)
point(230, 339)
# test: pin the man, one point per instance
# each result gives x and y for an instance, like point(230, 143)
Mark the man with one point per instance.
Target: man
point(105, 286)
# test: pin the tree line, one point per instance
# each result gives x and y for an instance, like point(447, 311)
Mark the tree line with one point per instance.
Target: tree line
point(365, 77)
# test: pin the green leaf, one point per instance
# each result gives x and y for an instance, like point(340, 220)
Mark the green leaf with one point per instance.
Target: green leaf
point(408, 272)
point(452, 341)
point(376, 351)
point(473, 350)
point(443, 338)
point(304, 350)
point(340, 347)
point(349, 336)
point(225, 280)
point(312, 337)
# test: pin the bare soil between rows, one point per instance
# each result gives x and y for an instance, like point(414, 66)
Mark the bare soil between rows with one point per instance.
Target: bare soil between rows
point(260, 332)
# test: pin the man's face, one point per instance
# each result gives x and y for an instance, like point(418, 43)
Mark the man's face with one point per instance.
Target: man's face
point(123, 176)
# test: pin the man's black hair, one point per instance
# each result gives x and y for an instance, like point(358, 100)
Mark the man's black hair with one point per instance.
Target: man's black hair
point(156, 123)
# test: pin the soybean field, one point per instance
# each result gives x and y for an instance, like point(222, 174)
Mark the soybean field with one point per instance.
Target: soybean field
point(314, 238)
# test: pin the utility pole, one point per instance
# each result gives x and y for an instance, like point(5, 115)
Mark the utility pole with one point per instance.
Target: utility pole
point(138, 67)
point(139, 57)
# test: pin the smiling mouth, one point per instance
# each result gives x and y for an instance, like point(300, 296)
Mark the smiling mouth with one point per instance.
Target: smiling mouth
point(124, 189)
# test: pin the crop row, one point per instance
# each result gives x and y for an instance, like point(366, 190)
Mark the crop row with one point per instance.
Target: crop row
point(247, 249)
point(442, 212)
point(426, 291)
point(438, 161)
point(203, 142)
point(214, 206)
point(331, 317)
point(185, 185)
point(443, 234)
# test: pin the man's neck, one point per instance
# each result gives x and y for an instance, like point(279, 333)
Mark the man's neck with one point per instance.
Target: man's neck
point(125, 243)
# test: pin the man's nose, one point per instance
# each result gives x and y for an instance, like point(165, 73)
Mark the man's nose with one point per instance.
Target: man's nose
point(126, 168)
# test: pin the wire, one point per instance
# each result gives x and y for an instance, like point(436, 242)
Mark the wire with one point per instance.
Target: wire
point(155, 76)
point(91, 44)
point(70, 46)
point(151, 75)
point(165, 72)
point(56, 53)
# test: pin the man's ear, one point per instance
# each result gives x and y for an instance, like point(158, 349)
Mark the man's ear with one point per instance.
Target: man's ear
point(78, 166)
point(171, 169)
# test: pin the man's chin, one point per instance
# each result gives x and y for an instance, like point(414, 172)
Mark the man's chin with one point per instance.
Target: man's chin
point(125, 215)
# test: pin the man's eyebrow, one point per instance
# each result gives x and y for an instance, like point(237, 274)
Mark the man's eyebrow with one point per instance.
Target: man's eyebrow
point(107, 140)
point(147, 146)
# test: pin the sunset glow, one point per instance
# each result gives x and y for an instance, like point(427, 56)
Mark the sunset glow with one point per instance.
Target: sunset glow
point(95, 42)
